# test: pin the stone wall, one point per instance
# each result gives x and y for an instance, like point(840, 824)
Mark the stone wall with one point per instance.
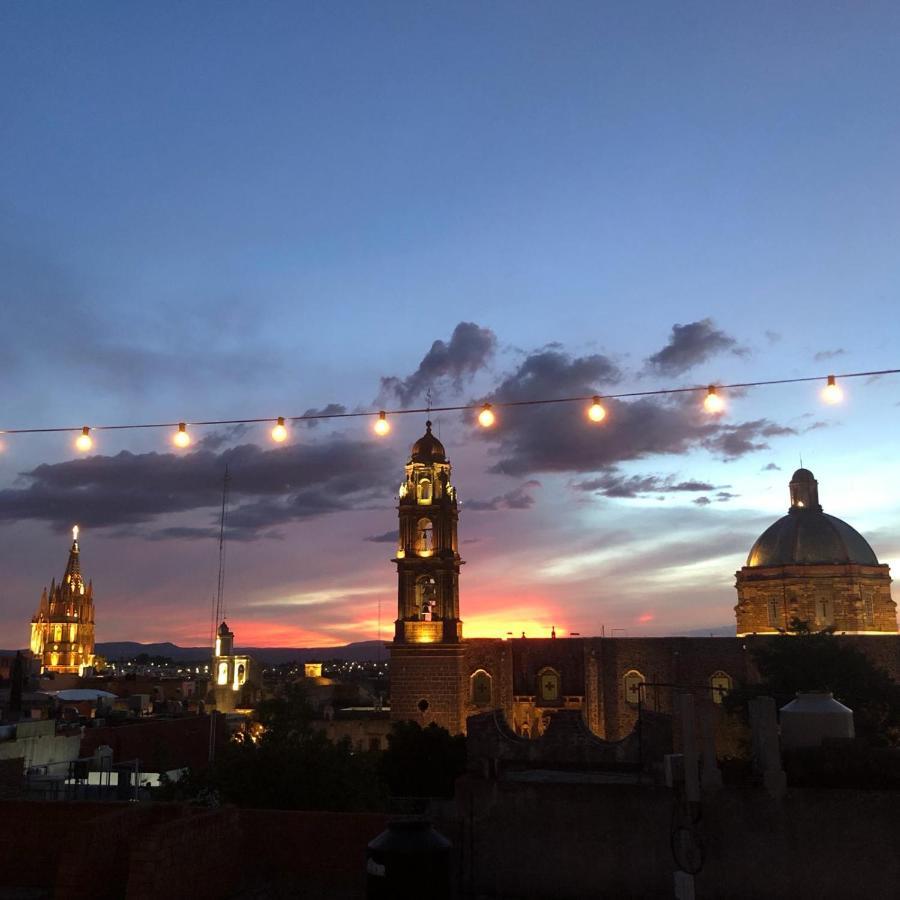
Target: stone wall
point(428, 684)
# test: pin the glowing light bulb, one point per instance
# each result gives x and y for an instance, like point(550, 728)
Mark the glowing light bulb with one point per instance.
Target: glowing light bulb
point(832, 392)
point(181, 438)
point(84, 441)
point(486, 417)
point(279, 432)
point(713, 403)
point(382, 426)
point(596, 412)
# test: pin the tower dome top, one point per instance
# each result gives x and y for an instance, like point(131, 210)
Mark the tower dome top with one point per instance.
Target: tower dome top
point(224, 629)
point(428, 449)
point(807, 536)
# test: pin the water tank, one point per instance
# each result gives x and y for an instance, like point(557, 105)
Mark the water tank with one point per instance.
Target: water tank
point(811, 718)
point(409, 861)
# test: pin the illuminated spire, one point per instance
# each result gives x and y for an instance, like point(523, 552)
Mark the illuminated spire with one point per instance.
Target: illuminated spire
point(73, 567)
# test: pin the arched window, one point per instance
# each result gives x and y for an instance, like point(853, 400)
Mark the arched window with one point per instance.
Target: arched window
point(426, 597)
point(480, 688)
point(424, 537)
point(632, 682)
point(720, 684)
point(223, 673)
point(423, 491)
point(548, 685)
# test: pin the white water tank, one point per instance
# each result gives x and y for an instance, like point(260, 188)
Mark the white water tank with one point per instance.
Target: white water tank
point(811, 718)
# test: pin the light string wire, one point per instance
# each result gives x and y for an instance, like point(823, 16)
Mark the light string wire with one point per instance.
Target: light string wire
point(455, 408)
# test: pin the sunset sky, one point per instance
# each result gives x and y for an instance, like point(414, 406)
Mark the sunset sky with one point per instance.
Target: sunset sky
point(237, 210)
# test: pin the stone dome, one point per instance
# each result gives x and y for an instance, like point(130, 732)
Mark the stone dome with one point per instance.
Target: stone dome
point(808, 536)
point(428, 449)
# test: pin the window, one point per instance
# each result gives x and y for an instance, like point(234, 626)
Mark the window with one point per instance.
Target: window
point(720, 683)
point(424, 537)
point(824, 611)
point(423, 491)
point(423, 706)
point(869, 603)
point(548, 685)
point(480, 684)
point(426, 597)
point(633, 681)
point(774, 614)
point(223, 673)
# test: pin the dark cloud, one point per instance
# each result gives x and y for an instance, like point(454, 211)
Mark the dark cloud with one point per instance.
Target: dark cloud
point(725, 496)
point(614, 484)
point(691, 344)
point(332, 409)
point(703, 501)
point(386, 537)
point(470, 349)
point(558, 437)
point(771, 467)
point(518, 498)
point(738, 440)
point(823, 355)
point(268, 487)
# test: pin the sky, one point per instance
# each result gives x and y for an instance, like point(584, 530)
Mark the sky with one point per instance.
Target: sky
point(244, 210)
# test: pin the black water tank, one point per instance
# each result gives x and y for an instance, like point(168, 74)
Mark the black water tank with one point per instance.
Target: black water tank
point(409, 861)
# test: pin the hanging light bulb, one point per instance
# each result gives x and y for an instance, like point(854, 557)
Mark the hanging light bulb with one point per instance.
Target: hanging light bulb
point(832, 392)
point(596, 412)
point(181, 438)
point(486, 417)
point(279, 432)
point(713, 403)
point(84, 441)
point(382, 426)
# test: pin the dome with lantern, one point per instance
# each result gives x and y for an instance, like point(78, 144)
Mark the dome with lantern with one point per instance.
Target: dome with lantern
point(807, 535)
point(428, 449)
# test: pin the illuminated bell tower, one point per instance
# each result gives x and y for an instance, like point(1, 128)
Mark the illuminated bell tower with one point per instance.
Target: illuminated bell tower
point(62, 630)
point(427, 655)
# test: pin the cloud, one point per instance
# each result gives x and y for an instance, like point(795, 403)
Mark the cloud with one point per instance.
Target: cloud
point(268, 487)
point(725, 496)
point(702, 501)
point(386, 537)
point(773, 337)
point(614, 484)
point(738, 440)
point(691, 344)
point(558, 438)
point(332, 409)
point(770, 467)
point(823, 355)
point(470, 349)
point(518, 498)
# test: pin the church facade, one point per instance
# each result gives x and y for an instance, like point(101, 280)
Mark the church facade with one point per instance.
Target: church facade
point(62, 629)
point(438, 676)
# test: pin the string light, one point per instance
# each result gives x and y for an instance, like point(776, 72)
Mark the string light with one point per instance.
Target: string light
point(596, 412)
point(486, 417)
point(381, 426)
point(84, 441)
point(832, 392)
point(181, 438)
point(279, 432)
point(713, 403)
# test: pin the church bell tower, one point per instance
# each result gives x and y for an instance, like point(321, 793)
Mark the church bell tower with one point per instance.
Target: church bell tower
point(427, 657)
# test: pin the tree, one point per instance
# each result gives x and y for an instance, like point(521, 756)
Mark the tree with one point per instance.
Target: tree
point(817, 661)
point(422, 762)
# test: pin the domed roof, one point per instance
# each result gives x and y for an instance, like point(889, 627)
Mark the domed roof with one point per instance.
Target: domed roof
point(428, 449)
point(807, 536)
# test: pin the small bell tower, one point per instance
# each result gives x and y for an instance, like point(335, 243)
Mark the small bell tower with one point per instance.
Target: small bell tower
point(427, 653)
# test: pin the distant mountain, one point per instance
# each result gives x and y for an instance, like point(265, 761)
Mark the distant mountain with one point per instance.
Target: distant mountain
point(360, 650)
point(717, 631)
